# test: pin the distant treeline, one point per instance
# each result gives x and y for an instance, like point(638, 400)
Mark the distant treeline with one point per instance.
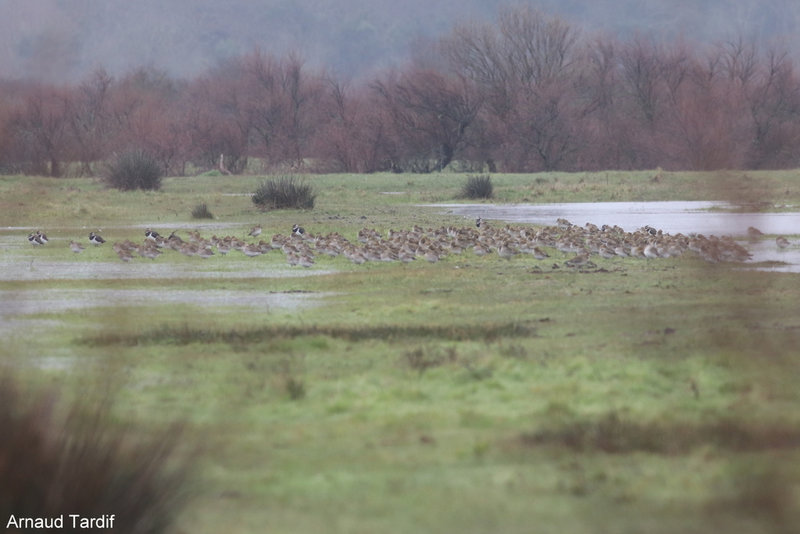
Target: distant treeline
point(527, 93)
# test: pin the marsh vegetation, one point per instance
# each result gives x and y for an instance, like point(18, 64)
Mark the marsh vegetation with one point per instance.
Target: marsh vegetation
point(472, 394)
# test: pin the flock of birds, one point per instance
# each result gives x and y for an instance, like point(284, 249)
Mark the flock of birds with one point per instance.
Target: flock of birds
point(433, 244)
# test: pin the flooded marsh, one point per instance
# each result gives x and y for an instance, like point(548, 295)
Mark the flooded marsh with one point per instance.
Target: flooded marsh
point(685, 217)
point(348, 397)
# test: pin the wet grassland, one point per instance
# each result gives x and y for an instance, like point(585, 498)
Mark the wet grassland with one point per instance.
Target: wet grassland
point(470, 394)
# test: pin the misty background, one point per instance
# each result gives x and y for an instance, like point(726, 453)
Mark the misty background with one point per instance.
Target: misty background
point(63, 40)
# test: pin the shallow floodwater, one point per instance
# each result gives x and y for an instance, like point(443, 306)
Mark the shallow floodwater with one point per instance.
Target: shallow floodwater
point(686, 217)
point(38, 269)
point(16, 306)
point(19, 262)
point(18, 302)
point(672, 217)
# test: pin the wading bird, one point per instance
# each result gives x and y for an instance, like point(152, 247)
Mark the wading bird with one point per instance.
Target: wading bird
point(95, 239)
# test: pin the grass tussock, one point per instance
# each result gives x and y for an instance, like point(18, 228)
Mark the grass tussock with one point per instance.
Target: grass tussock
point(477, 187)
point(135, 169)
point(78, 460)
point(284, 192)
point(616, 435)
point(201, 211)
point(423, 358)
point(186, 334)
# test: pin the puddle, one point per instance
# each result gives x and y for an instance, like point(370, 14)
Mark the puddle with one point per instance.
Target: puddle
point(684, 217)
point(58, 300)
point(15, 305)
point(767, 251)
point(31, 268)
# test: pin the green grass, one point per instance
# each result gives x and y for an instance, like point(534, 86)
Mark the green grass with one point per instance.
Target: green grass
point(471, 395)
point(342, 199)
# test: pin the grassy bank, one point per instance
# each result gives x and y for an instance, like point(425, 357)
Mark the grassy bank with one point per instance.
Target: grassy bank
point(470, 395)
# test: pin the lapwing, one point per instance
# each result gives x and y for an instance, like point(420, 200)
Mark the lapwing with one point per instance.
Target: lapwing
point(95, 239)
point(298, 230)
point(152, 235)
point(34, 239)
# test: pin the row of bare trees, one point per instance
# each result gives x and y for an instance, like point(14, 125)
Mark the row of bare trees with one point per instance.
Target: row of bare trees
point(527, 93)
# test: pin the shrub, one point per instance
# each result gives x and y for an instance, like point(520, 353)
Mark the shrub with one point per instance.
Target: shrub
point(135, 169)
point(295, 387)
point(284, 192)
point(83, 462)
point(477, 186)
point(201, 211)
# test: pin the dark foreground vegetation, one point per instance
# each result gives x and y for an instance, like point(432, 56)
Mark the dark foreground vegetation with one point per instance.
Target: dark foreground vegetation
point(77, 460)
point(528, 93)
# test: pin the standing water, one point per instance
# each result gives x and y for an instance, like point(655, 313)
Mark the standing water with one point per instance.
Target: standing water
point(686, 217)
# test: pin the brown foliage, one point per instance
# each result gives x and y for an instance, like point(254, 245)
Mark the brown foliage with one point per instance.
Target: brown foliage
point(56, 460)
point(527, 93)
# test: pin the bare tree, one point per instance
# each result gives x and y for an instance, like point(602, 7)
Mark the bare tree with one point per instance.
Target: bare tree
point(41, 130)
point(536, 50)
point(216, 118)
point(432, 113)
point(520, 66)
point(354, 134)
point(774, 103)
point(641, 73)
point(89, 124)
